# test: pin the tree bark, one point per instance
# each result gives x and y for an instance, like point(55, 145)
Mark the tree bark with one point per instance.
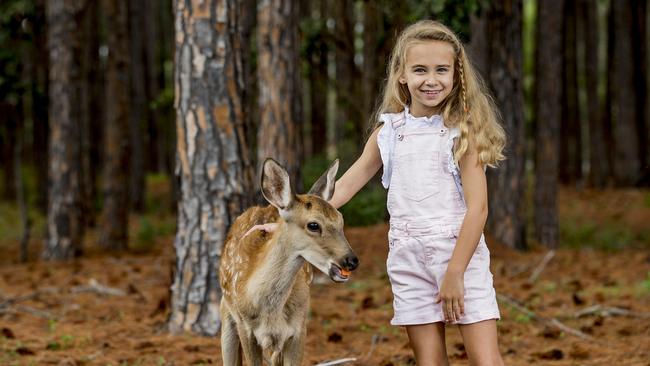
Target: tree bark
point(213, 164)
point(317, 51)
point(571, 141)
point(246, 28)
point(279, 134)
point(115, 213)
point(624, 98)
point(138, 105)
point(64, 222)
point(91, 116)
point(39, 90)
point(548, 113)
point(21, 195)
point(349, 101)
point(598, 157)
point(507, 183)
point(640, 48)
point(373, 37)
point(477, 48)
point(153, 67)
point(8, 111)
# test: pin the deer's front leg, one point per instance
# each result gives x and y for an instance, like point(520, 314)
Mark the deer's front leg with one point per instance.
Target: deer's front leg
point(277, 359)
point(230, 346)
point(252, 350)
point(293, 350)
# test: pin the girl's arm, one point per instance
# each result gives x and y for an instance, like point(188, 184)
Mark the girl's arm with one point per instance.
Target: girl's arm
point(475, 189)
point(358, 174)
point(351, 182)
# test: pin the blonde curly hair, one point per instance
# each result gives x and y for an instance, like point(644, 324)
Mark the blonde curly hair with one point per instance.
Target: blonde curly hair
point(468, 106)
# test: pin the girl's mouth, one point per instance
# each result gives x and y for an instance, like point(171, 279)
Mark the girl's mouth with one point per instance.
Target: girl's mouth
point(431, 93)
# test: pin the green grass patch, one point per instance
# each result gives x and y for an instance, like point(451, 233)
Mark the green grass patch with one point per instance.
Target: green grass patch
point(609, 236)
point(11, 227)
point(148, 229)
point(642, 288)
point(368, 207)
point(646, 200)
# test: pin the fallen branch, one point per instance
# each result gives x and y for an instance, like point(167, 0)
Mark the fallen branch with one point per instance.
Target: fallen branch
point(96, 287)
point(540, 267)
point(33, 295)
point(373, 343)
point(337, 362)
point(547, 321)
point(609, 311)
point(28, 310)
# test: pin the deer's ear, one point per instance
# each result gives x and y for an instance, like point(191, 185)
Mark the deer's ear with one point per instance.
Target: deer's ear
point(324, 186)
point(276, 187)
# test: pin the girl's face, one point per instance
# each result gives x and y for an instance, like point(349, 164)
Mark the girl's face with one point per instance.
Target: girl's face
point(429, 75)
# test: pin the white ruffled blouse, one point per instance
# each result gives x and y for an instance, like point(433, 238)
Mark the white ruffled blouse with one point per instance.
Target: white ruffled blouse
point(386, 141)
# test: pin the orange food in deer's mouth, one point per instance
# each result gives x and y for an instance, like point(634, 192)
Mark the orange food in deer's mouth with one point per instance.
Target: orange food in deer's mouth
point(345, 272)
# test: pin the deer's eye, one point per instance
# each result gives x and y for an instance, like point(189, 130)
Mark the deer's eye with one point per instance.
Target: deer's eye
point(313, 226)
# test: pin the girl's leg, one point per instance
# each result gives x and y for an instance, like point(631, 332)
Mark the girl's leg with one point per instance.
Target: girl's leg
point(481, 343)
point(428, 343)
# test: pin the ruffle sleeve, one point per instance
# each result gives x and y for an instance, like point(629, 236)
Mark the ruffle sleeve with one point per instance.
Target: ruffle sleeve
point(452, 166)
point(385, 141)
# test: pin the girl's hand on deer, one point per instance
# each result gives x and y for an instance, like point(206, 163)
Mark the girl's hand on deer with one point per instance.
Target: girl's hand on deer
point(269, 228)
point(452, 296)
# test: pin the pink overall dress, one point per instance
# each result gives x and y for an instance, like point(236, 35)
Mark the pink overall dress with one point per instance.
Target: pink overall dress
point(427, 208)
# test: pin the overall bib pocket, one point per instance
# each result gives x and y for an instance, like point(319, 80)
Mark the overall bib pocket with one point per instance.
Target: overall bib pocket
point(419, 173)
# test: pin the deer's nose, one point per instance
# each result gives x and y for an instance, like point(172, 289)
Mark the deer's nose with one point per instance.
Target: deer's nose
point(351, 262)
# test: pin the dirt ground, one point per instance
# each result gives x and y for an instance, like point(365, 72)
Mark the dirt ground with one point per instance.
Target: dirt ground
point(48, 316)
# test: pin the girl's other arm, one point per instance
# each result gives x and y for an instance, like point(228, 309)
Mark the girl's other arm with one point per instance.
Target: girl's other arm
point(359, 173)
point(475, 190)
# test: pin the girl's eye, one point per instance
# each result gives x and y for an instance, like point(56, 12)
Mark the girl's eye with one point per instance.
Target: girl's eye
point(442, 70)
point(419, 70)
point(313, 226)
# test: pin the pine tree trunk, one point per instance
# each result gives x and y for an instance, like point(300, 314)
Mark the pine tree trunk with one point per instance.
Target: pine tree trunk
point(571, 142)
point(548, 113)
point(90, 110)
point(279, 135)
point(250, 92)
point(372, 61)
point(64, 222)
point(8, 111)
point(506, 184)
point(477, 48)
point(646, 103)
point(21, 195)
point(138, 105)
point(624, 99)
point(318, 83)
point(640, 48)
point(39, 90)
point(115, 213)
point(598, 159)
point(349, 124)
point(152, 68)
point(213, 163)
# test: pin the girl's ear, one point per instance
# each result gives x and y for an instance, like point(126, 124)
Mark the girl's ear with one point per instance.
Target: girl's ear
point(401, 80)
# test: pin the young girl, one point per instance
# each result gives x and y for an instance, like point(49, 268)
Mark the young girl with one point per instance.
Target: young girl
point(436, 131)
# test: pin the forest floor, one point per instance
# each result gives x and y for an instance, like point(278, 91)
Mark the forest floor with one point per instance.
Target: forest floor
point(50, 313)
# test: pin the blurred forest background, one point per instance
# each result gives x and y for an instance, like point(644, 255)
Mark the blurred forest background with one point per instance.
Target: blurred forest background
point(128, 121)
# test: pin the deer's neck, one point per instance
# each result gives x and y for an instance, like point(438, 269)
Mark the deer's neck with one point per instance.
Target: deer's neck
point(273, 280)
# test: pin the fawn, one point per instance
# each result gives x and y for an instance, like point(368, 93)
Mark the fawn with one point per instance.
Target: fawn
point(265, 277)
